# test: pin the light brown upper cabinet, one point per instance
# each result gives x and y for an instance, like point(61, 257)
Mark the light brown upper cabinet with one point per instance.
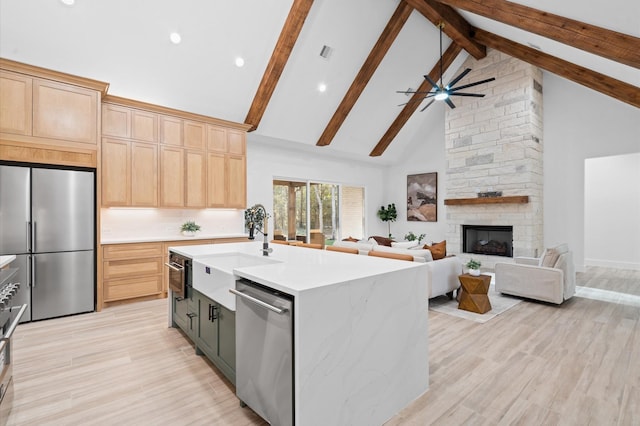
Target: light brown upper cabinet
point(129, 173)
point(170, 130)
point(144, 126)
point(195, 135)
point(62, 111)
point(217, 139)
point(236, 181)
point(16, 94)
point(196, 178)
point(216, 180)
point(236, 142)
point(172, 176)
point(116, 121)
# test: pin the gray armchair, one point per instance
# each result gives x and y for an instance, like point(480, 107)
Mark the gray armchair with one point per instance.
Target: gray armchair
point(551, 278)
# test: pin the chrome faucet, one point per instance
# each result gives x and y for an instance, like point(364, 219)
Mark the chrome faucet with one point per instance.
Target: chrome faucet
point(265, 230)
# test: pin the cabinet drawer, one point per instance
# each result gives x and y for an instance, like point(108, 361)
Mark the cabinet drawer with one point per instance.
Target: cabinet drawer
point(133, 267)
point(132, 287)
point(130, 251)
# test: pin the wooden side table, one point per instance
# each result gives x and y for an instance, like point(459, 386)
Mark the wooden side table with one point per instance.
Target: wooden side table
point(473, 296)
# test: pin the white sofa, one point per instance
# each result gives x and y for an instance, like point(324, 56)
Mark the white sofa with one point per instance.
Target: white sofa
point(442, 274)
point(552, 278)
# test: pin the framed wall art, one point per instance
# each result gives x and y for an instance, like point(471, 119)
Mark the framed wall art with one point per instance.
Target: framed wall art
point(422, 197)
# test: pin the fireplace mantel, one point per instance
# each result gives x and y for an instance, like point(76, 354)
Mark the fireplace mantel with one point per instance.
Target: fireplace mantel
point(514, 199)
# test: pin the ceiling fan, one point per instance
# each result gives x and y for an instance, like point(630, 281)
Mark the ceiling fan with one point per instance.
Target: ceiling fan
point(442, 92)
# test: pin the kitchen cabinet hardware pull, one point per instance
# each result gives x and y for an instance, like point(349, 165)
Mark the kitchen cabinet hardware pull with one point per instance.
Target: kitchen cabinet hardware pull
point(210, 314)
point(175, 266)
point(214, 316)
point(191, 315)
point(258, 302)
point(179, 299)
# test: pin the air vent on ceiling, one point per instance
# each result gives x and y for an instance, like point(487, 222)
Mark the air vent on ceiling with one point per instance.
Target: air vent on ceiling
point(325, 52)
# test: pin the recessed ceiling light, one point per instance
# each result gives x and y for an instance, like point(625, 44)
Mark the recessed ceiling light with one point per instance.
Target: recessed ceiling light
point(68, 2)
point(322, 87)
point(239, 62)
point(175, 38)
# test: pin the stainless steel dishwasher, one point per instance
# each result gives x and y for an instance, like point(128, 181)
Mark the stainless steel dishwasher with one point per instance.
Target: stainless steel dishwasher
point(264, 351)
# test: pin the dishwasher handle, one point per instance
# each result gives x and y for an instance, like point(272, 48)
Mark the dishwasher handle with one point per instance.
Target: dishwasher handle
point(258, 302)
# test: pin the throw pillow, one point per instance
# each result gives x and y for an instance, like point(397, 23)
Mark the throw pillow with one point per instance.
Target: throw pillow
point(383, 241)
point(438, 250)
point(549, 258)
point(404, 244)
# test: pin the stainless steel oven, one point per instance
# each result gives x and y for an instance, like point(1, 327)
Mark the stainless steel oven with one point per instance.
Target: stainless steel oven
point(179, 278)
point(9, 318)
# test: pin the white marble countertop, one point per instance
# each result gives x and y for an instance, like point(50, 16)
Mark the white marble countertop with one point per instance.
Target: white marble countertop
point(5, 260)
point(166, 237)
point(295, 269)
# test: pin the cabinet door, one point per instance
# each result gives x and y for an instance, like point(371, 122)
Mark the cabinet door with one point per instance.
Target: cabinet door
point(15, 103)
point(179, 310)
point(196, 192)
point(207, 335)
point(237, 182)
point(64, 112)
point(171, 177)
point(170, 130)
point(144, 175)
point(195, 135)
point(216, 180)
point(217, 139)
point(116, 121)
point(144, 126)
point(236, 142)
point(116, 173)
point(226, 337)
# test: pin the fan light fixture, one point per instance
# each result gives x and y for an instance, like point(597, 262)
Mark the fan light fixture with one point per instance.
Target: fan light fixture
point(441, 92)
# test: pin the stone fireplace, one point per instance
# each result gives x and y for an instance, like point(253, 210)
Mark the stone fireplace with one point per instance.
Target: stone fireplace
point(494, 145)
point(487, 240)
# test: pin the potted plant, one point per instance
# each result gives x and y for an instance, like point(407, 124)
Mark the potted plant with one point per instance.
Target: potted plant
point(412, 237)
point(388, 215)
point(253, 217)
point(474, 267)
point(189, 228)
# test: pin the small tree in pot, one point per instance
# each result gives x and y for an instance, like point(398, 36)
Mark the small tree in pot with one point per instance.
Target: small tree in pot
point(388, 215)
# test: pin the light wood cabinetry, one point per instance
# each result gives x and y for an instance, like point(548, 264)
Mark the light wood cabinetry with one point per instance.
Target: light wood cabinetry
point(48, 116)
point(131, 271)
point(16, 103)
point(200, 162)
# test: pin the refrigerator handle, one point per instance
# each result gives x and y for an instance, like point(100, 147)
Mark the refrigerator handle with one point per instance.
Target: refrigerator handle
point(29, 271)
point(33, 237)
point(33, 271)
point(28, 236)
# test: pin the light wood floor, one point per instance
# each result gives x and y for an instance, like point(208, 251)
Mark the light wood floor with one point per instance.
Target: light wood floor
point(577, 364)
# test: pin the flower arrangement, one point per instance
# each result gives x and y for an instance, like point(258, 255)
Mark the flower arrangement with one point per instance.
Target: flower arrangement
point(412, 237)
point(190, 227)
point(253, 217)
point(474, 267)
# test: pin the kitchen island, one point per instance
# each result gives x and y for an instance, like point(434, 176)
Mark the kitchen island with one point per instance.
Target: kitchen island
point(360, 326)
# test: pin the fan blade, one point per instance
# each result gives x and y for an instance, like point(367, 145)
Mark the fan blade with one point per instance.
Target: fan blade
point(410, 101)
point(433, 83)
point(472, 84)
point(475, 95)
point(426, 106)
point(448, 101)
point(458, 78)
point(409, 93)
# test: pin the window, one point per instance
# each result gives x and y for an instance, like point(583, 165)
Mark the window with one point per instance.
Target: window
point(330, 212)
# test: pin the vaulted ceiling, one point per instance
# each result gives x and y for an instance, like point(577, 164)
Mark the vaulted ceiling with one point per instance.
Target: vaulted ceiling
point(376, 48)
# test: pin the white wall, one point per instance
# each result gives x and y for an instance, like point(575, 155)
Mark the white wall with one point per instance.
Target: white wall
point(579, 123)
point(612, 212)
point(425, 154)
point(267, 160)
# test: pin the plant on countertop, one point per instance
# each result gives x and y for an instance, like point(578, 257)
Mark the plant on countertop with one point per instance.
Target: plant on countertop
point(388, 215)
point(412, 237)
point(473, 264)
point(190, 226)
point(253, 216)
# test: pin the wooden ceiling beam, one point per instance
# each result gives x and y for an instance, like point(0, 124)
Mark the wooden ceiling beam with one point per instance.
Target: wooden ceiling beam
point(609, 44)
point(288, 37)
point(599, 82)
point(456, 27)
point(380, 49)
point(447, 59)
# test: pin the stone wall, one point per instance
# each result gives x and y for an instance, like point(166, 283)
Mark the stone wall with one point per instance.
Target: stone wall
point(495, 144)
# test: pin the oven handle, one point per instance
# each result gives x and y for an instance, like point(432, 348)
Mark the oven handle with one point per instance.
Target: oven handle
point(175, 266)
point(14, 324)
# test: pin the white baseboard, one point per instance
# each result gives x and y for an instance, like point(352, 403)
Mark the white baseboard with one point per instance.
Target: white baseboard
point(612, 264)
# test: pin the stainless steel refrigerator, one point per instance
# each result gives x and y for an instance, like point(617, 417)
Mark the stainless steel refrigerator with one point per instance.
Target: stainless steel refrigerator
point(47, 219)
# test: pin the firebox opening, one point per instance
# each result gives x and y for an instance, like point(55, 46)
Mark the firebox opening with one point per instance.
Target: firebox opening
point(488, 240)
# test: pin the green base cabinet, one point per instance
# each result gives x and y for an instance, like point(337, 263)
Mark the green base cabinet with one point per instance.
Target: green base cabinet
point(185, 315)
point(216, 335)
